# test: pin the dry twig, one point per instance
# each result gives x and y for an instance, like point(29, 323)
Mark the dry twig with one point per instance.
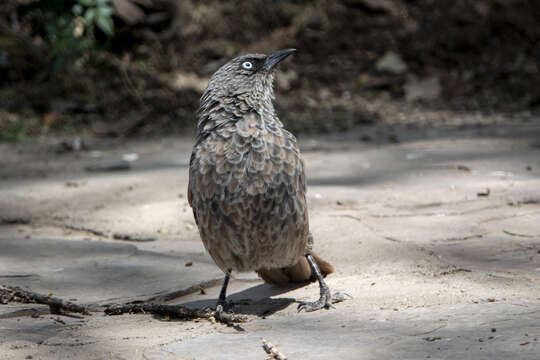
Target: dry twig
point(173, 311)
point(56, 305)
point(272, 351)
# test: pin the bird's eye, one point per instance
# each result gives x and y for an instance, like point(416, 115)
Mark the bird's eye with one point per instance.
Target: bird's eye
point(247, 65)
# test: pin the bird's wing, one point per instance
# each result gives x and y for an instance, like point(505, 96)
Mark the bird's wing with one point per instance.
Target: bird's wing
point(300, 271)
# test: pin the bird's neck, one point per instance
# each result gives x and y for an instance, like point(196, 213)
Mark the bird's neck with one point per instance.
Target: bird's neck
point(216, 112)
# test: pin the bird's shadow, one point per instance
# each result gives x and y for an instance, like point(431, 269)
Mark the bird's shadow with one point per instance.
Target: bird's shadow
point(256, 300)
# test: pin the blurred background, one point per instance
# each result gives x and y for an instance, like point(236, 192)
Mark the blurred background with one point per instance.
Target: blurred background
point(128, 68)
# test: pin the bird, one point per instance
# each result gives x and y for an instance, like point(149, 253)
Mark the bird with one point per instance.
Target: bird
point(247, 182)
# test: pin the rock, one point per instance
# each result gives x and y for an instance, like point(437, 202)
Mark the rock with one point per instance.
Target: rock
point(130, 157)
point(128, 11)
point(428, 88)
point(391, 62)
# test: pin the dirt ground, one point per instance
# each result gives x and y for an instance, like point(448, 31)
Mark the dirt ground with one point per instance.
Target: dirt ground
point(435, 233)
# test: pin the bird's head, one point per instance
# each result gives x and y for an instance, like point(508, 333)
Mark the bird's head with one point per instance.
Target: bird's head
point(248, 77)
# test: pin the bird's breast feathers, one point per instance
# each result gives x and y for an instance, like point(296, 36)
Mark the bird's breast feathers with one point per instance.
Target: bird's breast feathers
point(249, 156)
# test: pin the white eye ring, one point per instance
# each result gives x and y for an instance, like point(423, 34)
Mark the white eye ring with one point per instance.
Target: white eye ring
point(247, 65)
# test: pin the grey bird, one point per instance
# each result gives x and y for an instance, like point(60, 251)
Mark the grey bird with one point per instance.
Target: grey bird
point(247, 184)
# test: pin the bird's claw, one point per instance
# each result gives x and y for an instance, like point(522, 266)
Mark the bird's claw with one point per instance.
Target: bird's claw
point(218, 314)
point(228, 318)
point(322, 303)
point(226, 306)
point(223, 312)
point(326, 301)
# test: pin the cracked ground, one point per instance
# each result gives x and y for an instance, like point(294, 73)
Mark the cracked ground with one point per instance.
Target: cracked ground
point(435, 234)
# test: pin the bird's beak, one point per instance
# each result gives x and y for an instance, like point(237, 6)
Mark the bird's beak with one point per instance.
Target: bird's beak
point(275, 58)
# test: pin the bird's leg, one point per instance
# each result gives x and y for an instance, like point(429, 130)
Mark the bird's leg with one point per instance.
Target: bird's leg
point(222, 304)
point(222, 300)
point(325, 301)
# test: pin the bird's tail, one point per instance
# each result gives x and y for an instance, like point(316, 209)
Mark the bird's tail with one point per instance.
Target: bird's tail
point(300, 272)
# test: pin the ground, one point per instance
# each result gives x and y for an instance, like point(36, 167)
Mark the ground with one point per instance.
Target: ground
point(433, 231)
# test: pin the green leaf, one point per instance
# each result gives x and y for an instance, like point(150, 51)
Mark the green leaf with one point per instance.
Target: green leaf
point(77, 9)
point(89, 16)
point(105, 10)
point(105, 23)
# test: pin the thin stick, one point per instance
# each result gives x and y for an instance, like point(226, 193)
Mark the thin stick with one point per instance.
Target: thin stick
point(272, 350)
point(56, 305)
point(173, 311)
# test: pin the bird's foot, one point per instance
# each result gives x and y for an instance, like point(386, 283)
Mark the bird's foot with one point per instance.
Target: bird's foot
point(226, 316)
point(326, 301)
point(323, 303)
point(219, 313)
point(226, 306)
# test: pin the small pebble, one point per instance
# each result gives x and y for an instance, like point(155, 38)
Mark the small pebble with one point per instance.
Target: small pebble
point(393, 139)
point(365, 138)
